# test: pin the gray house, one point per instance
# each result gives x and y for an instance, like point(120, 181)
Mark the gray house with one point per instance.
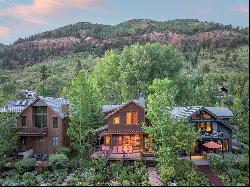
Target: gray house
point(213, 123)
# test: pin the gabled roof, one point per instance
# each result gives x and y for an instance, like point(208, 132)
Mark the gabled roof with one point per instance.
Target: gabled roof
point(121, 107)
point(221, 112)
point(217, 112)
point(54, 104)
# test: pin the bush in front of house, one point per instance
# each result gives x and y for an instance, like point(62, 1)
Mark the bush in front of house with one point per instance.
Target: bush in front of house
point(58, 161)
point(64, 150)
point(26, 165)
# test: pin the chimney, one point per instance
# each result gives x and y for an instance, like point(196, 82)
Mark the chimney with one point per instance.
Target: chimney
point(65, 107)
point(141, 100)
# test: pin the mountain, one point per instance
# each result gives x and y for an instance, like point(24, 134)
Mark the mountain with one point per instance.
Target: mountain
point(95, 39)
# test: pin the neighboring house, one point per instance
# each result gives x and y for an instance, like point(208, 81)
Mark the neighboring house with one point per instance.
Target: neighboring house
point(123, 130)
point(213, 123)
point(42, 123)
point(15, 106)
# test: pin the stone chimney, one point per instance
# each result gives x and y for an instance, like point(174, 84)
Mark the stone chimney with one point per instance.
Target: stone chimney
point(141, 100)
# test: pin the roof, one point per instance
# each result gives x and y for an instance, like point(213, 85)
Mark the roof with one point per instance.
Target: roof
point(122, 106)
point(218, 112)
point(106, 108)
point(54, 103)
point(221, 112)
point(16, 106)
point(102, 128)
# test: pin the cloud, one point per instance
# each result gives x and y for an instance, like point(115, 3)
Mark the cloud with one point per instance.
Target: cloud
point(39, 11)
point(39, 14)
point(4, 31)
point(240, 9)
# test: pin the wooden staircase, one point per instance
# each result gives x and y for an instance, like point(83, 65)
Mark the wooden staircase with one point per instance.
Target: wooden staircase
point(212, 177)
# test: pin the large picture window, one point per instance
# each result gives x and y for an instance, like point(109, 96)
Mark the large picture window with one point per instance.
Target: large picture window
point(132, 118)
point(40, 116)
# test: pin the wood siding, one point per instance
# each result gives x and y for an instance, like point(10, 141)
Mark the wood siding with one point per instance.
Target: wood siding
point(131, 107)
point(45, 146)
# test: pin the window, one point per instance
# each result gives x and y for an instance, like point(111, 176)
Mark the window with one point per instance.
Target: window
point(129, 118)
point(135, 118)
point(208, 127)
point(55, 141)
point(207, 116)
point(225, 145)
point(38, 138)
point(23, 121)
point(132, 118)
point(202, 126)
point(55, 122)
point(40, 116)
point(117, 120)
point(107, 140)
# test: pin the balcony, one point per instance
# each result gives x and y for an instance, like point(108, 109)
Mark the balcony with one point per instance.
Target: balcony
point(34, 131)
point(212, 136)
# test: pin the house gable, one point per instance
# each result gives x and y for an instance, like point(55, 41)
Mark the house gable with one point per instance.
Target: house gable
point(121, 124)
point(204, 114)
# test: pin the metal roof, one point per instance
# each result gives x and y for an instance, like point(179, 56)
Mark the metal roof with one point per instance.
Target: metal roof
point(106, 108)
point(18, 106)
point(221, 112)
point(56, 104)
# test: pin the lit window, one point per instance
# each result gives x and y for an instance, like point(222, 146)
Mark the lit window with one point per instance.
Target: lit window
point(202, 126)
point(107, 140)
point(135, 118)
point(225, 145)
point(208, 127)
point(132, 118)
point(117, 120)
point(207, 116)
point(55, 141)
point(129, 118)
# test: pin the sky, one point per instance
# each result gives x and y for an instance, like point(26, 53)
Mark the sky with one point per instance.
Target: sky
point(22, 18)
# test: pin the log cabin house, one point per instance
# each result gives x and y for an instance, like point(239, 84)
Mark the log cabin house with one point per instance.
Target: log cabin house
point(122, 136)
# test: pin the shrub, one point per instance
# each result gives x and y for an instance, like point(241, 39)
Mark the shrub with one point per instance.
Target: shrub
point(29, 179)
point(73, 163)
point(2, 163)
point(58, 161)
point(64, 150)
point(26, 165)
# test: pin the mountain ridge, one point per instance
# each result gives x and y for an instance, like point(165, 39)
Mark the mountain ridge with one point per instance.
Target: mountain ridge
point(97, 38)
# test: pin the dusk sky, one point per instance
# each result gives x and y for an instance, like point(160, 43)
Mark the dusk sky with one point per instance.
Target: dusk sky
point(21, 18)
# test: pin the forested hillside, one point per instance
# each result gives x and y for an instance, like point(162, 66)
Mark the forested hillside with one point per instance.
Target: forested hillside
point(187, 35)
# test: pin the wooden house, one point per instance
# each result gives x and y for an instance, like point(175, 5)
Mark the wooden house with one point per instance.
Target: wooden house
point(122, 136)
point(42, 125)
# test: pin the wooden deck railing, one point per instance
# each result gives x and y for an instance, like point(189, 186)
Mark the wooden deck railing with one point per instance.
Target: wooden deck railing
point(33, 131)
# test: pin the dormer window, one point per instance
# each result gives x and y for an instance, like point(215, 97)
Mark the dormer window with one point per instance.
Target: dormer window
point(132, 118)
point(117, 120)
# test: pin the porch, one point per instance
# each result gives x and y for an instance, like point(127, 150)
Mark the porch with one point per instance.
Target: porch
point(121, 153)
